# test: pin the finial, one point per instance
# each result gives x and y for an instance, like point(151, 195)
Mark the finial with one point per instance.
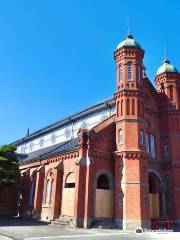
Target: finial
point(128, 26)
point(165, 52)
point(27, 134)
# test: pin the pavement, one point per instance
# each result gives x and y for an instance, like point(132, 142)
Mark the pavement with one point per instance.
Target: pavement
point(20, 229)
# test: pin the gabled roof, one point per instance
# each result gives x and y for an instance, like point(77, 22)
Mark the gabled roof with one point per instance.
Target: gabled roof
point(45, 152)
point(68, 120)
point(104, 124)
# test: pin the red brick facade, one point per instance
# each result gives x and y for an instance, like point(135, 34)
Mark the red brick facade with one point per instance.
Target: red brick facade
point(127, 168)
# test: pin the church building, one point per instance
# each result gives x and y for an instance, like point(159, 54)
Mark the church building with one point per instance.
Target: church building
point(117, 162)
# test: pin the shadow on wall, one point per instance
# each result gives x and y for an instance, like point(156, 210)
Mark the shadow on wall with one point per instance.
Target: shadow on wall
point(8, 200)
point(18, 221)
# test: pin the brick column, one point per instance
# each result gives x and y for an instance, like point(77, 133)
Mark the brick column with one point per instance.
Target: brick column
point(57, 193)
point(80, 182)
point(136, 192)
point(79, 197)
point(119, 194)
point(89, 198)
point(38, 197)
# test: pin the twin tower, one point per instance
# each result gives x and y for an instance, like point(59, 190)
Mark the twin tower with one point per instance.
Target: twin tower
point(147, 122)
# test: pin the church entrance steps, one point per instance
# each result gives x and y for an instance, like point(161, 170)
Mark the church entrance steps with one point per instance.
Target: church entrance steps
point(63, 221)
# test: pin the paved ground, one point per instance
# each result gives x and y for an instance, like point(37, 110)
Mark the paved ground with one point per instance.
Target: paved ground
point(18, 229)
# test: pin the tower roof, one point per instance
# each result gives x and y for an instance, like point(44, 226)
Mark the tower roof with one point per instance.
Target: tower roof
point(166, 67)
point(128, 42)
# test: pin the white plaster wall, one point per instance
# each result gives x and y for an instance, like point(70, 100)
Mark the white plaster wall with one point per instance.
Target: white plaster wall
point(65, 133)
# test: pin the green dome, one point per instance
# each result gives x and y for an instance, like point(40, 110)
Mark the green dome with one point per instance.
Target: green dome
point(166, 67)
point(128, 42)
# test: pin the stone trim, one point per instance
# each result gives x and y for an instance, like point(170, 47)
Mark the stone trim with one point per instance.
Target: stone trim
point(136, 183)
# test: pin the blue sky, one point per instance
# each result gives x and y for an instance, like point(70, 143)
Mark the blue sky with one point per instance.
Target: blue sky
point(56, 57)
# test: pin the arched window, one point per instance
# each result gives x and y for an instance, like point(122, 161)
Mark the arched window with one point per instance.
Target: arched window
point(120, 136)
point(171, 93)
point(139, 107)
point(120, 73)
point(102, 182)
point(121, 107)
point(118, 109)
point(32, 193)
point(147, 143)
point(129, 71)
point(141, 137)
point(70, 180)
point(133, 107)
point(48, 192)
point(152, 146)
point(49, 188)
point(142, 108)
point(166, 151)
point(127, 106)
point(139, 72)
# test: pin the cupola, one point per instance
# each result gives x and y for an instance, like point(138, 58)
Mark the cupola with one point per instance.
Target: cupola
point(128, 42)
point(166, 67)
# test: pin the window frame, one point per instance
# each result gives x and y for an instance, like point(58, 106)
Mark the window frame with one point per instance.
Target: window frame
point(120, 136)
point(139, 73)
point(147, 143)
point(49, 189)
point(120, 73)
point(141, 137)
point(129, 70)
point(152, 146)
point(166, 151)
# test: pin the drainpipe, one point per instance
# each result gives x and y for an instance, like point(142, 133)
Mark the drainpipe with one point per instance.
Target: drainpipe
point(110, 112)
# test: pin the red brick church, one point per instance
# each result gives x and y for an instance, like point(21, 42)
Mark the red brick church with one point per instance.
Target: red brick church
point(117, 161)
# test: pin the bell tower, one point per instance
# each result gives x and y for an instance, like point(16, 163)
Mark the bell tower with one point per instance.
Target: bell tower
point(168, 86)
point(131, 166)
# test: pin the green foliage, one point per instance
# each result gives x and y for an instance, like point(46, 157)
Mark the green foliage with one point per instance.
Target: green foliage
point(9, 170)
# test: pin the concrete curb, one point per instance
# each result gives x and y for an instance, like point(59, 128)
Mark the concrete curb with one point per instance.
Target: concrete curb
point(5, 238)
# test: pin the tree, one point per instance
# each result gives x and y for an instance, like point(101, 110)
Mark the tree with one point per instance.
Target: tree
point(9, 170)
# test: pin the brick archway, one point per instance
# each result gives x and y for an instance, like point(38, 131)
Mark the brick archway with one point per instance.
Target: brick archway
point(103, 196)
point(157, 192)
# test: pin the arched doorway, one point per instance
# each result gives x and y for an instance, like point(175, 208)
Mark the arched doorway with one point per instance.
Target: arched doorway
point(104, 199)
point(155, 196)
